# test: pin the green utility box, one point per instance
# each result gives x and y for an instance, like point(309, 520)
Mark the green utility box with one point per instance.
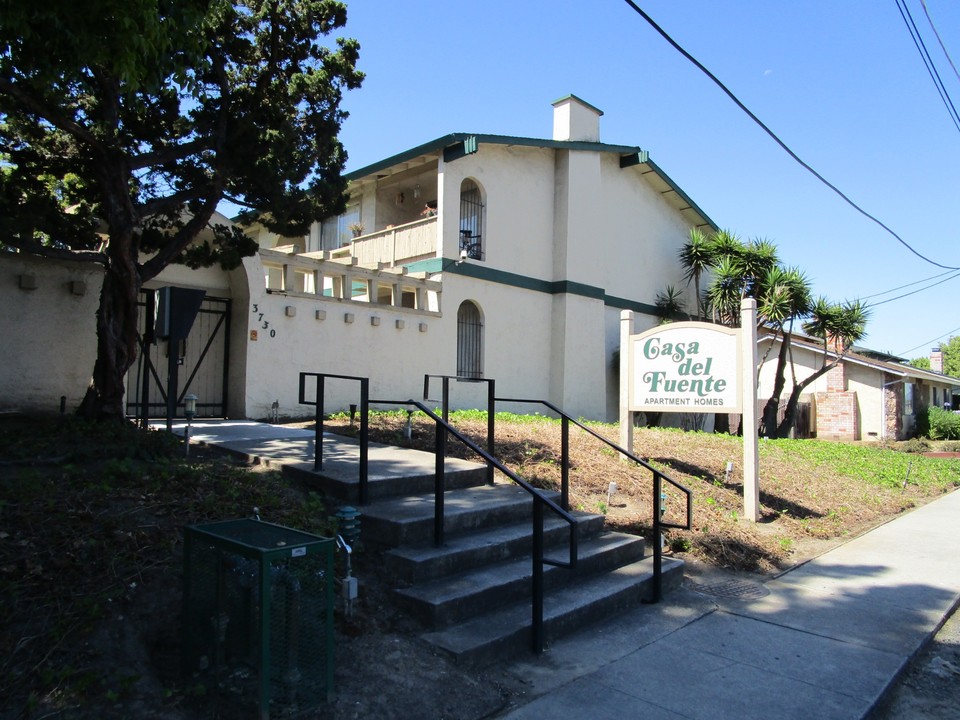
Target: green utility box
point(258, 617)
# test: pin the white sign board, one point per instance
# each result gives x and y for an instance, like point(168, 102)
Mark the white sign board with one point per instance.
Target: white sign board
point(685, 367)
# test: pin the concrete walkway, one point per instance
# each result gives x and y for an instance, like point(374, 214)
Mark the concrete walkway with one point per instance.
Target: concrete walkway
point(279, 446)
point(822, 641)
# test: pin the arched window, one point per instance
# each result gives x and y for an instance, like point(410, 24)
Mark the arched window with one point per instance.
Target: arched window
point(471, 220)
point(469, 341)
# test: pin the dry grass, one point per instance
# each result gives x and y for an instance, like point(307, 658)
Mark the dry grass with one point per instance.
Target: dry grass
point(91, 524)
point(91, 520)
point(813, 494)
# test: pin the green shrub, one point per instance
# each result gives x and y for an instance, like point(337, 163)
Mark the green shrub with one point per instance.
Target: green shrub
point(915, 445)
point(943, 424)
point(680, 544)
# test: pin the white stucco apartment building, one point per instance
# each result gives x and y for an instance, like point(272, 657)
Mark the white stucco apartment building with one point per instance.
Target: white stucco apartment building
point(478, 256)
point(528, 249)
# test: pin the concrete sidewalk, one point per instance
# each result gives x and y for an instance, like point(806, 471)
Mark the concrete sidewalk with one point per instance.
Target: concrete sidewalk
point(822, 641)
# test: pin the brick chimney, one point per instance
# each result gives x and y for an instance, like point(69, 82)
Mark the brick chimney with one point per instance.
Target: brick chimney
point(837, 379)
point(936, 359)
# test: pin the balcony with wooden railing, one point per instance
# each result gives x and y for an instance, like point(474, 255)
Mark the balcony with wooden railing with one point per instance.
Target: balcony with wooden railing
point(393, 246)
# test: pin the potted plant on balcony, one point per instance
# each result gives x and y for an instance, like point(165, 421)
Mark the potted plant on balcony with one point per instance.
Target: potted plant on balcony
point(356, 229)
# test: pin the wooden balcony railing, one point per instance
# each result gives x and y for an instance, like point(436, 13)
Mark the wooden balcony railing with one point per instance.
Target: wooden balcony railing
point(394, 246)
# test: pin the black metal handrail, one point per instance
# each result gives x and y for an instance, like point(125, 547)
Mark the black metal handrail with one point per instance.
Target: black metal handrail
point(318, 422)
point(658, 477)
point(443, 428)
point(445, 406)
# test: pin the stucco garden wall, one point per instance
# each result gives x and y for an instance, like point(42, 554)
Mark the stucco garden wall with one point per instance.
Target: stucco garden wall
point(49, 332)
point(394, 347)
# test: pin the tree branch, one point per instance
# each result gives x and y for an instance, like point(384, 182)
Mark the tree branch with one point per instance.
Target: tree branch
point(214, 191)
point(162, 204)
point(168, 154)
point(240, 201)
point(181, 240)
point(50, 114)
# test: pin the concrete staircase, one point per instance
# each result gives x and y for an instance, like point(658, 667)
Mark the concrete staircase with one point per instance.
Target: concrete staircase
point(473, 595)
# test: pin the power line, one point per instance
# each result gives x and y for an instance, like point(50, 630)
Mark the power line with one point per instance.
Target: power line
point(928, 62)
point(776, 139)
point(914, 292)
point(939, 39)
point(928, 342)
point(901, 287)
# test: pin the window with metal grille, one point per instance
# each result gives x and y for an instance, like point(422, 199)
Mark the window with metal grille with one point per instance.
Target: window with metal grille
point(471, 220)
point(469, 341)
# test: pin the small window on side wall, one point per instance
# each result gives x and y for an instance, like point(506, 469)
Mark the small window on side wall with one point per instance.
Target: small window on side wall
point(469, 341)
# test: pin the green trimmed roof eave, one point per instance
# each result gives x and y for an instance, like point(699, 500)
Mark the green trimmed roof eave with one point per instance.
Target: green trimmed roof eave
point(441, 143)
point(686, 204)
point(630, 156)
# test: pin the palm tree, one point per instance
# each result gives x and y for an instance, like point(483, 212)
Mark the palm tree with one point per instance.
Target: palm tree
point(757, 258)
point(669, 304)
point(739, 269)
point(726, 243)
point(838, 325)
point(784, 297)
point(696, 258)
point(724, 294)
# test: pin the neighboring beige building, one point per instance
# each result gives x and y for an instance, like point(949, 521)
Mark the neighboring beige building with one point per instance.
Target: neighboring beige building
point(867, 396)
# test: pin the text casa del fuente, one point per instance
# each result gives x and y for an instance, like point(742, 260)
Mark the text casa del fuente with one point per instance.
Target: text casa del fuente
point(688, 375)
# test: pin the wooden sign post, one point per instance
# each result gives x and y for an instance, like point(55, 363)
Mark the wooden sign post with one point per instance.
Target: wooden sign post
point(694, 367)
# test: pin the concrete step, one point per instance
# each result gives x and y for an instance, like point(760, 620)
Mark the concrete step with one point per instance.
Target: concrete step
point(441, 602)
point(408, 520)
point(418, 563)
point(388, 477)
point(490, 637)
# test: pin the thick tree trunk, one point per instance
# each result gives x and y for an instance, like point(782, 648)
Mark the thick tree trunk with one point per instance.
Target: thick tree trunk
point(116, 337)
point(780, 381)
point(793, 403)
point(790, 415)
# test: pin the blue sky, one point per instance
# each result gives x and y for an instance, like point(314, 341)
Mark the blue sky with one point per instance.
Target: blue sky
point(841, 83)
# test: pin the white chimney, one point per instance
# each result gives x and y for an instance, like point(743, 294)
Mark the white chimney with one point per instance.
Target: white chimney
point(574, 119)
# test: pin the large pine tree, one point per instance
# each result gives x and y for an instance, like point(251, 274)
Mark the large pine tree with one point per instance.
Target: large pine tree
point(123, 125)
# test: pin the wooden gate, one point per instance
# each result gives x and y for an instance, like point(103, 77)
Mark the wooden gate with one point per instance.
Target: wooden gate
point(203, 362)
